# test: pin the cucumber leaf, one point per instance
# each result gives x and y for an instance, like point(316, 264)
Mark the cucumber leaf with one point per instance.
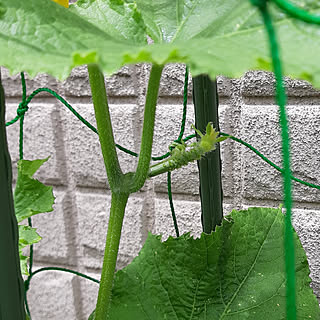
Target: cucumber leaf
point(27, 236)
point(237, 272)
point(31, 196)
point(213, 36)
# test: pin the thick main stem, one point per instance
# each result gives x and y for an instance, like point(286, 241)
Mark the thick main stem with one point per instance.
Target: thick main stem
point(148, 128)
point(118, 204)
point(101, 109)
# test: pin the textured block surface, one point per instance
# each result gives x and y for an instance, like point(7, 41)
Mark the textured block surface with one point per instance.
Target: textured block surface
point(260, 83)
point(93, 215)
point(260, 128)
point(40, 139)
point(51, 296)
point(89, 294)
point(84, 153)
point(188, 214)
point(307, 225)
point(52, 227)
point(122, 83)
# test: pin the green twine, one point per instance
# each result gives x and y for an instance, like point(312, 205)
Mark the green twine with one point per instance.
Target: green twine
point(174, 218)
point(27, 282)
point(281, 101)
point(23, 107)
point(179, 140)
point(185, 101)
point(258, 153)
point(82, 275)
point(297, 12)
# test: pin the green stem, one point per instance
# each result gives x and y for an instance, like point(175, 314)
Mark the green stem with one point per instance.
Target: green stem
point(104, 126)
point(118, 204)
point(206, 104)
point(160, 168)
point(11, 282)
point(148, 127)
point(174, 163)
point(121, 185)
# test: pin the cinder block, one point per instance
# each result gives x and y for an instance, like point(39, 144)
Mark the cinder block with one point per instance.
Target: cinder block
point(227, 208)
point(83, 147)
point(188, 214)
point(93, 215)
point(123, 83)
point(51, 226)
point(13, 87)
point(89, 294)
point(224, 86)
point(40, 139)
point(172, 81)
point(167, 128)
point(51, 296)
point(260, 128)
point(307, 226)
point(261, 83)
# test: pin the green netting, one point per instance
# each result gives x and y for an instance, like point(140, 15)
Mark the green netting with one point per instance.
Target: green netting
point(281, 100)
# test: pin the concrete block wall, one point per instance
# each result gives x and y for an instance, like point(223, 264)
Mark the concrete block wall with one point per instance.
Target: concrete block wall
point(74, 234)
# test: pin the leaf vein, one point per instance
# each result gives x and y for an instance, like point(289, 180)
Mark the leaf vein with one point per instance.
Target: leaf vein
point(248, 273)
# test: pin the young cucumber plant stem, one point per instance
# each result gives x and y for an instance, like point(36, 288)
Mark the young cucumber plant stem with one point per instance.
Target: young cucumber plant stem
point(121, 185)
point(101, 109)
point(118, 204)
point(148, 127)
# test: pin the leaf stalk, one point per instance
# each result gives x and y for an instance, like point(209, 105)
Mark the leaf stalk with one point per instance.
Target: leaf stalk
point(141, 173)
point(104, 125)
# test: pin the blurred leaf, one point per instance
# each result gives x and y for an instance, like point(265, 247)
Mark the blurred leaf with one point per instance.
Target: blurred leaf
point(213, 36)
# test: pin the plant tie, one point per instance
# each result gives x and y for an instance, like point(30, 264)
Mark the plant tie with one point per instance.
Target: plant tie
point(22, 109)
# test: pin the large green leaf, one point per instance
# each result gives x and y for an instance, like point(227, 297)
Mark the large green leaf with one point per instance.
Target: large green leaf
point(212, 36)
point(237, 272)
point(31, 196)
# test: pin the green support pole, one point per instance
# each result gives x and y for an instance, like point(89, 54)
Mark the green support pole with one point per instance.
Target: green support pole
point(205, 100)
point(11, 283)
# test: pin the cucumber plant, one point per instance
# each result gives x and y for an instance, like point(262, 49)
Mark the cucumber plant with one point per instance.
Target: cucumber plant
point(228, 39)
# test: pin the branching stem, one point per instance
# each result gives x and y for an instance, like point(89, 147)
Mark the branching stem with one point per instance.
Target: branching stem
point(101, 109)
point(122, 185)
point(148, 127)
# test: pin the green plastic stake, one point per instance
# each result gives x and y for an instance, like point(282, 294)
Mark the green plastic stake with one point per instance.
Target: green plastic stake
point(205, 100)
point(11, 283)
